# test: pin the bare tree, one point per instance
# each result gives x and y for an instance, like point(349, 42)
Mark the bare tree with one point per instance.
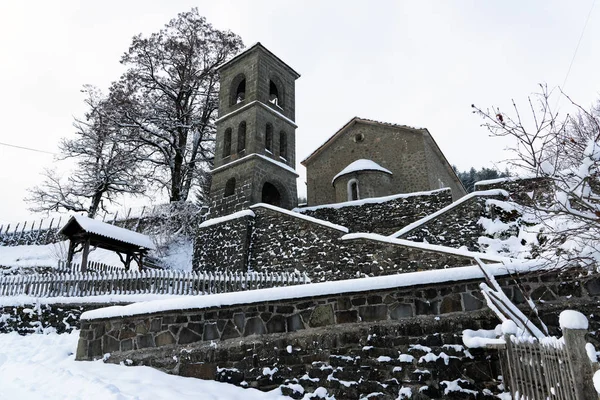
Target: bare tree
point(566, 152)
point(168, 97)
point(106, 166)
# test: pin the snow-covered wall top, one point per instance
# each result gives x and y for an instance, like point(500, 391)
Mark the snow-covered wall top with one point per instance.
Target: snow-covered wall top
point(313, 290)
point(383, 215)
point(461, 201)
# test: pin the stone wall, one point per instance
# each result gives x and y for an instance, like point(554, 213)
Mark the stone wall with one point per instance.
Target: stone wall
point(523, 190)
point(32, 237)
point(458, 226)
point(38, 318)
point(223, 246)
point(385, 215)
point(353, 344)
point(276, 241)
point(281, 242)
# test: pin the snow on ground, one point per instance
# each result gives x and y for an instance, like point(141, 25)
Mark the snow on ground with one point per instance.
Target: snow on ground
point(49, 255)
point(179, 254)
point(44, 367)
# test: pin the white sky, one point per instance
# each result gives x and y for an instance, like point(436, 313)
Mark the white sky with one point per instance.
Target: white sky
point(419, 63)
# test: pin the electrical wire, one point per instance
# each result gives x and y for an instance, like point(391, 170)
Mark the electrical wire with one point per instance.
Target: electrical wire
point(27, 148)
point(577, 47)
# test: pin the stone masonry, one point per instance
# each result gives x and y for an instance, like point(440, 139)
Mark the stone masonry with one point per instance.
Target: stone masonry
point(383, 216)
point(353, 344)
point(416, 162)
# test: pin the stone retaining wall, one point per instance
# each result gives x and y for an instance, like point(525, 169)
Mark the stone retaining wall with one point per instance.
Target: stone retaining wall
point(38, 318)
point(459, 226)
point(384, 217)
point(275, 241)
point(286, 342)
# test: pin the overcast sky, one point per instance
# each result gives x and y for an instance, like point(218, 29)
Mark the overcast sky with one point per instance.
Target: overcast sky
point(420, 63)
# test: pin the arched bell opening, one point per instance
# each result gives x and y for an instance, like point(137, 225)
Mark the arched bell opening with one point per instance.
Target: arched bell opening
point(271, 195)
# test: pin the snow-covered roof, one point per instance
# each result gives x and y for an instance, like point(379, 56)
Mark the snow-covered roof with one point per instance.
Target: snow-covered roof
point(110, 231)
point(361, 165)
point(316, 289)
point(410, 227)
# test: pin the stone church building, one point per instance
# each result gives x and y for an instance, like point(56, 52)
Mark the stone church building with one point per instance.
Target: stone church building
point(256, 142)
point(397, 172)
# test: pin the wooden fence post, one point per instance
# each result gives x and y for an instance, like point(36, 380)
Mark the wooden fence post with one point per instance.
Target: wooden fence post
point(581, 367)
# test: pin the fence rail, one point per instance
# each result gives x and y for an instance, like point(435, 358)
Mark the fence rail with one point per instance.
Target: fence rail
point(76, 284)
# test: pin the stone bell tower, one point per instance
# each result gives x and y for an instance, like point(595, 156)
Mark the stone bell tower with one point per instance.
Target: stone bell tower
point(256, 134)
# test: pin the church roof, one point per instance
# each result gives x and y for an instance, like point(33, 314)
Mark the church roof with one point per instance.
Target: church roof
point(251, 49)
point(348, 125)
point(361, 165)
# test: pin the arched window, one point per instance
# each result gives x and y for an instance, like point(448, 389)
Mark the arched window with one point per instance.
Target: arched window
point(241, 136)
point(283, 145)
point(269, 138)
point(353, 193)
point(238, 89)
point(229, 187)
point(227, 143)
point(274, 94)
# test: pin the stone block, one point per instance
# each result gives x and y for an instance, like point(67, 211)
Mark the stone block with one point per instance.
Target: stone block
point(110, 344)
point(230, 331)
point(210, 331)
point(425, 307)
point(373, 313)
point(254, 326)
point(145, 341)
point(127, 345)
point(401, 310)
point(276, 324)
point(321, 316)
point(155, 324)
point(471, 303)
point(164, 339)
point(450, 304)
point(346, 317)
point(294, 323)
point(198, 370)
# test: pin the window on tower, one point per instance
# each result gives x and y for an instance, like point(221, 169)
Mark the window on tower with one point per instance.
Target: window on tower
point(269, 138)
point(240, 93)
point(227, 143)
point(237, 90)
point(353, 193)
point(274, 94)
point(283, 145)
point(241, 145)
point(229, 187)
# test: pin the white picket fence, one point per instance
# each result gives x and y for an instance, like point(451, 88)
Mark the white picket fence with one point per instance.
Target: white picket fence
point(76, 284)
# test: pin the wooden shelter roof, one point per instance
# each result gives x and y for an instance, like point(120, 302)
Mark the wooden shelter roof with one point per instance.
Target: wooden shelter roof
point(113, 237)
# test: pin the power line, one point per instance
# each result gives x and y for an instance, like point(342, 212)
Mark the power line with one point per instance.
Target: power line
point(577, 47)
point(27, 148)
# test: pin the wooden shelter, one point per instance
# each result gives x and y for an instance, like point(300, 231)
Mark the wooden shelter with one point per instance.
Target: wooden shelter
point(84, 232)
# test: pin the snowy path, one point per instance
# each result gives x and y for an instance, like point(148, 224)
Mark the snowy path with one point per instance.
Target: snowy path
point(44, 367)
